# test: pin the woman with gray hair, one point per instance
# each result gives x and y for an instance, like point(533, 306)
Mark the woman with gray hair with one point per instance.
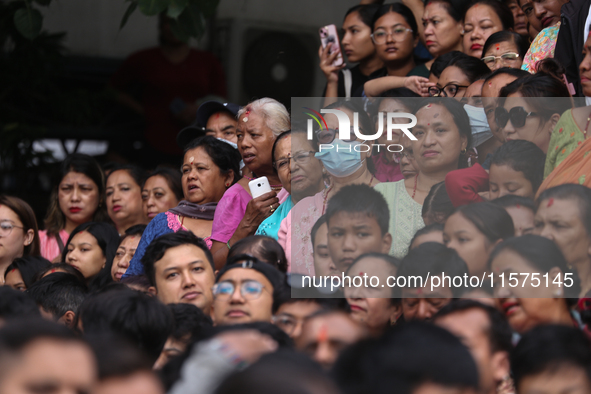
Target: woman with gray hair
point(238, 215)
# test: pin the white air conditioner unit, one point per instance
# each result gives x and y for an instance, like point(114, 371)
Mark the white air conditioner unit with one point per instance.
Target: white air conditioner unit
point(262, 59)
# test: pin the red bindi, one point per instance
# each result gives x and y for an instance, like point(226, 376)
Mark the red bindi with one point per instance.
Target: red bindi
point(52, 270)
point(550, 202)
point(517, 206)
point(419, 291)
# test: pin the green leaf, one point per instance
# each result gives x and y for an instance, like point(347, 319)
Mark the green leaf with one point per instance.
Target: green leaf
point(207, 7)
point(127, 14)
point(152, 7)
point(28, 22)
point(176, 8)
point(192, 21)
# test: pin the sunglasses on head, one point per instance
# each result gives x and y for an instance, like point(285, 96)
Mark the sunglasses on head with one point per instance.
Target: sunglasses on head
point(517, 115)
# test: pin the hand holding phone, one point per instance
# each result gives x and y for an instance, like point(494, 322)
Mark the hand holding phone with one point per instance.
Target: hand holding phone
point(328, 35)
point(259, 186)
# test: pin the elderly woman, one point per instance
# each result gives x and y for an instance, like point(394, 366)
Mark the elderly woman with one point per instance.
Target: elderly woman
point(301, 174)
point(210, 167)
point(295, 229)
point(238, 215)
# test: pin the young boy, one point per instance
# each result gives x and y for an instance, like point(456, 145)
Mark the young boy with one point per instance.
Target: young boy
point(357, 217)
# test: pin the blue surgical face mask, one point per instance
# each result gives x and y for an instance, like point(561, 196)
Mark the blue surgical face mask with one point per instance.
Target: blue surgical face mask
point(342, 159)
point(479, 124)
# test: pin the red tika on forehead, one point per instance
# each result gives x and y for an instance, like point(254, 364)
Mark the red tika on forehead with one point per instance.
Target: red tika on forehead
point(550, 203)
point(245, 119)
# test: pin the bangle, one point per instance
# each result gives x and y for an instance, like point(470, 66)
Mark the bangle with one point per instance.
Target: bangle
point(228, 244)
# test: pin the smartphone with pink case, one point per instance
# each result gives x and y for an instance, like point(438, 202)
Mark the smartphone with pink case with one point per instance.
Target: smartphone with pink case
point(328, 34)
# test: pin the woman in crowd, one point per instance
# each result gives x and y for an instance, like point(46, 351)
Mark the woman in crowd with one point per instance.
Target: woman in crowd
point(530, 108)
point(162, 191)
point(344, 168)
point(374, 307)
point(474, 230)
point(519, 19)
point(534, 25)
point(77, 197)
point(210, 167)
point(522, 211)
point(126, 250)
point(504, 49)
point(544, 43)
point(563, 215)
point(18, 231)
point(238, 215)
point(21, 273)
point(459, 74)
point(443, 28)
point(527, 305)
point(572, 128)
point(481, 19)
point(264, 248)
point(387, 162)
point(359, 48)
point(395, 35)
point(408, 164)
point(443, 137)
point(91, 249)
point(299, 171)
point(437, 206)
point(124, 197)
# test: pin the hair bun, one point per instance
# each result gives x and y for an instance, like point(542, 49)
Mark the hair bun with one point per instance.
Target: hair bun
point(550, 67)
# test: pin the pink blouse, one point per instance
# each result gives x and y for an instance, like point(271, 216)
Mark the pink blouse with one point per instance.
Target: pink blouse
point(49, 247)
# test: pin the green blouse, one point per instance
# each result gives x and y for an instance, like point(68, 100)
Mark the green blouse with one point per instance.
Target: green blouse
point(405, 216)
point(566, 137)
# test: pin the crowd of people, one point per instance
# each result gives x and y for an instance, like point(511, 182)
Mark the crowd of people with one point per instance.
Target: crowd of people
point(179, 280)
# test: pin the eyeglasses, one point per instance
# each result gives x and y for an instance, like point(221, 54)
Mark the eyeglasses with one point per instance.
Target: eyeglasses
point(286, 323)
point(6, 228)
point(517, 116)
point(506, 58)
point(300, 158)
point(249, 289)
point(405, 154)
point(326, 136)
point(380, 37)
point(449, 90)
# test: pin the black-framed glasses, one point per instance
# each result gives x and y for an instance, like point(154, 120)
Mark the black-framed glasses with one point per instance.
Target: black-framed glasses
point(249, 289)
point(6, 228)
point(326, 136)
point(517, 116)
point(300, 158)
point(505, 58)
point(399, 33)
point(449, 90)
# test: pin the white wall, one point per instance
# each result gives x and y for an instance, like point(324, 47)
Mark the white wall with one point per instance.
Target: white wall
point(93, 25)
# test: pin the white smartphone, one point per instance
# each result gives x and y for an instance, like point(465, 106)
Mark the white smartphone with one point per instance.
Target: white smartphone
point(328, 34)
point(259, 186)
